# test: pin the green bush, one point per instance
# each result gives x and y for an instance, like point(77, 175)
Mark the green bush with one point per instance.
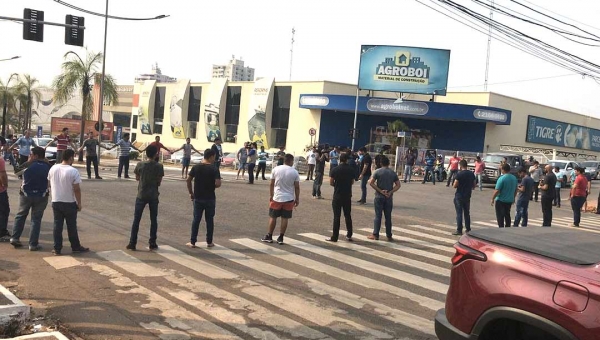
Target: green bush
point(133, 155)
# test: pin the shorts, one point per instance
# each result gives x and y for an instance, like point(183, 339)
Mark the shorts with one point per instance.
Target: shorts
point(281, 209)
point(185, 161)
point(243, 165)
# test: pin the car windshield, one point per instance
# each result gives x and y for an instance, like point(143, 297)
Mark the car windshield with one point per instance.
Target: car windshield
point(558, 164)
point(590, 164)
point(493, 159)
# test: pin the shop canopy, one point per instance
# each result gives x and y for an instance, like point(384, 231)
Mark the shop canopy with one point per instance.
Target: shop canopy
point(406, 108)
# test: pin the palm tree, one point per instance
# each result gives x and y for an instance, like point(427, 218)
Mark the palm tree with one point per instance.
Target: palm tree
point(394, 127)
point(29, 95)
point(8, 99)
point(79, 76)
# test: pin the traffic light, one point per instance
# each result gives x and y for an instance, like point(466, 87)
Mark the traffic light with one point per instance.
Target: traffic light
point(32, 30)
point(74, 36)
point(354, 133)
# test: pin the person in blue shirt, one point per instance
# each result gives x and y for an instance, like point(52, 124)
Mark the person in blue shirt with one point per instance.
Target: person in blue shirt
point(24, 143)
point(429, 164)
point(504, 196)
point(559, 178)
point(334, 157)
point(525, 189)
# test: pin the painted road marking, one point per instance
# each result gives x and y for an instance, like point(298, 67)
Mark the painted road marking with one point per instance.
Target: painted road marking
point(194, 263)
point(131, 264)
point(417, 242)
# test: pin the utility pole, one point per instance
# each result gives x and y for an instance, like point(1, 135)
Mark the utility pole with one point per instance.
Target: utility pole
point(489, 46)
point(292, 51)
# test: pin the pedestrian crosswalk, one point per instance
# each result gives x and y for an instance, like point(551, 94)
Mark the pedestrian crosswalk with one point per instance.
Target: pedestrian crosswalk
point(307, 288)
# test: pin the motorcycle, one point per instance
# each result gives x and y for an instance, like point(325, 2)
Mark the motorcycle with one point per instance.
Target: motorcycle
point(440, 173)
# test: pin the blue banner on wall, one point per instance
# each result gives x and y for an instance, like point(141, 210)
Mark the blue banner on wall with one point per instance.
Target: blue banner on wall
point(404, 69)
point(552, 132)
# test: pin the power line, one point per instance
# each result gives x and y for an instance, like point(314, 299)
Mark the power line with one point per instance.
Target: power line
point(515, 81)
point(560, 15)
point(109, 16)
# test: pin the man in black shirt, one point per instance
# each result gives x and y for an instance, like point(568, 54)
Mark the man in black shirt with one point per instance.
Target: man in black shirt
point(341, 179)
point(464, 182)
point(206, 178)
point(365, 173)
point(547, 185)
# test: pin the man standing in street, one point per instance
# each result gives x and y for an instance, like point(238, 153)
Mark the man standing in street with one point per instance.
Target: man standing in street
point(262, 162)
point(546, 185)
point(311, 159)
point(251, 162)
point(334, 157)
point(218, 149)
point(34, 197)
point(429, 164)
point(280, 156)
point(64, 181)
point(187, 156)
point(559, 178)
point(284, 197)
point(410, 159)
point(464, 183)
point(453, 168)
point(206, 179)
point(62, 142)
point(504, 196)
point(4, 204)
point(158, 145)
point(242, 158)
point(125, 147)
point(91, 155)
point(525, 190)
point(385, 181)
point(341, 179)
point(24, 143)
point(149, 174)
point(365, 173)
point(536, 174)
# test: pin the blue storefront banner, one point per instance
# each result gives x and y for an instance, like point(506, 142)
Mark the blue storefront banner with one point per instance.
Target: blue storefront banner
point(552, 132)
point(119, 134)
point(404, 69)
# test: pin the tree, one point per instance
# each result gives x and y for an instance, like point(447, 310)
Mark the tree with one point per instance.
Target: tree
point(393, 129)
point(29, 95)
point(7, 97)
point(79, 76)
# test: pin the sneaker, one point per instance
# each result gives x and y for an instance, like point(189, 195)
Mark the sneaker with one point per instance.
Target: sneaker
point(4, 233)
point(349, 238)
point(81, 249)
point(56, 252)
point(210, 245)
point(330, 239)
point(16, 243)
point(118, 177)
point(362, 202)
point(280, 239)
point(127, 177)
point(153, 246)
point(89, 177)
point(130, 246)
point(191, 245)
point(35, 248)
point(98, 177)
point(320, 197)
point(390, 239)
point(373, 237)
point(268, 238)
point(456, 233)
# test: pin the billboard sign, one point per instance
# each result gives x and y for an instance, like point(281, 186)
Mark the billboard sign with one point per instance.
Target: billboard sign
point(177, 95)
point(404, 69)
point(74, 126)
point(257, 118)
point(552, 132)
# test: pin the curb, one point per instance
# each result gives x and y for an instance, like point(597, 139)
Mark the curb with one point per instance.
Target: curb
point(17, 309)
point(55, 335)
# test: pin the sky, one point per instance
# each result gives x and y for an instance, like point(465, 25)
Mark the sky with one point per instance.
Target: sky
point(329, 33)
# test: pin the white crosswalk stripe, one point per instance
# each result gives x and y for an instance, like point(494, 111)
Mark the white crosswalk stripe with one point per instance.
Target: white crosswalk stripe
point(408, 248)
point(413, 241)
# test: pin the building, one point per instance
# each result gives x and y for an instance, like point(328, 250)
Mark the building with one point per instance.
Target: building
point(156, 74)
point(233, 71)
point(282, 113)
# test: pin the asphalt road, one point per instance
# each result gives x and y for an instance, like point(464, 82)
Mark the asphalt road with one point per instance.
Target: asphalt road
point(244, 288)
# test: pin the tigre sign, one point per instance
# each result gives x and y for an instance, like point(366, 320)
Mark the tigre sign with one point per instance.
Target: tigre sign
point(552, 132)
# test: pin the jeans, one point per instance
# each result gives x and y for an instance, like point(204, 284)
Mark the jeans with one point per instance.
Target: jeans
point(547, 210)
point(451, 176)
point(331, 167)
point(339, 204)
point(261, 167)
point(89, 160)
point(311, 170)
point(429, 171)
point(8, 156)
point(217, 165)
point(556, 201)
point(503, 214)
point(59, 156)
point(65, 212)
point(208, 208)
point(536, 191)
point(576, 204)
point(479, 182)
point(383, 205)
point(363, 187)
point(23, 159)
point(317, 184)
point(522, 214)
point(463, 207)
point(37, 205)
point(251, 172)
point(123, 163)
point(137, 217)
point(407, 173)
point(4, 212)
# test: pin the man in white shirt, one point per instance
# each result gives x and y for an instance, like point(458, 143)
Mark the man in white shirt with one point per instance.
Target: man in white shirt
point(64, 181)
point(311, 159)
point(285, 196)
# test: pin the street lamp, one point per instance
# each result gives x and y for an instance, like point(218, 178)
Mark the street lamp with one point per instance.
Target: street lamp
point(5, 103)
point(13, 58)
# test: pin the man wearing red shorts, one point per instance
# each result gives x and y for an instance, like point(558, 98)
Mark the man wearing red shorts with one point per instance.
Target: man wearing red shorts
point(285, 196)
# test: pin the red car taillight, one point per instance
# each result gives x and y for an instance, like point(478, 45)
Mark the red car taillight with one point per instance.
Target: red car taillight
point(465, 253)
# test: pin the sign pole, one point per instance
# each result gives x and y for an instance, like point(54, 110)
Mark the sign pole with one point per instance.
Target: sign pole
point(355, 118)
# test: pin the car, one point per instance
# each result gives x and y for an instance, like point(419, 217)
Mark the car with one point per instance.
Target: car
point(492, 162)
point(300, 164)
point(567, 168)
point(228, 159)
point(269, 166)
point(523, 283)
point(177, 156)
point(592, 168)
point(50, 151)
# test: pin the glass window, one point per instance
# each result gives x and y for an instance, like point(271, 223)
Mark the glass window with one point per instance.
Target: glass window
point(281, 107)
point(134, 122)
point(230, 133)
point(193, 129)
point(232, 107)
point(159, 103)
point(194, 104)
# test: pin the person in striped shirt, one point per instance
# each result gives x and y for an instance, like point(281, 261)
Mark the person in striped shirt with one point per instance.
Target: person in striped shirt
point(62, 142)
point(125, 148)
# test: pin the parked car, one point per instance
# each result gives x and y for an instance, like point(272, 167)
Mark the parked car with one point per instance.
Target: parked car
point(566, 167)
point(228, 159)
point(269, 162)
point(177, 156)
point(50, 151)
point(592, 168)
point(523, 283)
point(300, 164)
point(492, 165)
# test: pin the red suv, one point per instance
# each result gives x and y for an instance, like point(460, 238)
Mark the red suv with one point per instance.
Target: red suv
point(525, 284)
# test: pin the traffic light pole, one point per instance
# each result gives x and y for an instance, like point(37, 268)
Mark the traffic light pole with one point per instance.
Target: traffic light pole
point(42, 22)
point(355, 118)
point(101, 109)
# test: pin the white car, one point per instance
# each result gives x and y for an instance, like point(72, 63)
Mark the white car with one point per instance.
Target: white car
point(177, 156)
point(50, 151)
point(566, 167)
